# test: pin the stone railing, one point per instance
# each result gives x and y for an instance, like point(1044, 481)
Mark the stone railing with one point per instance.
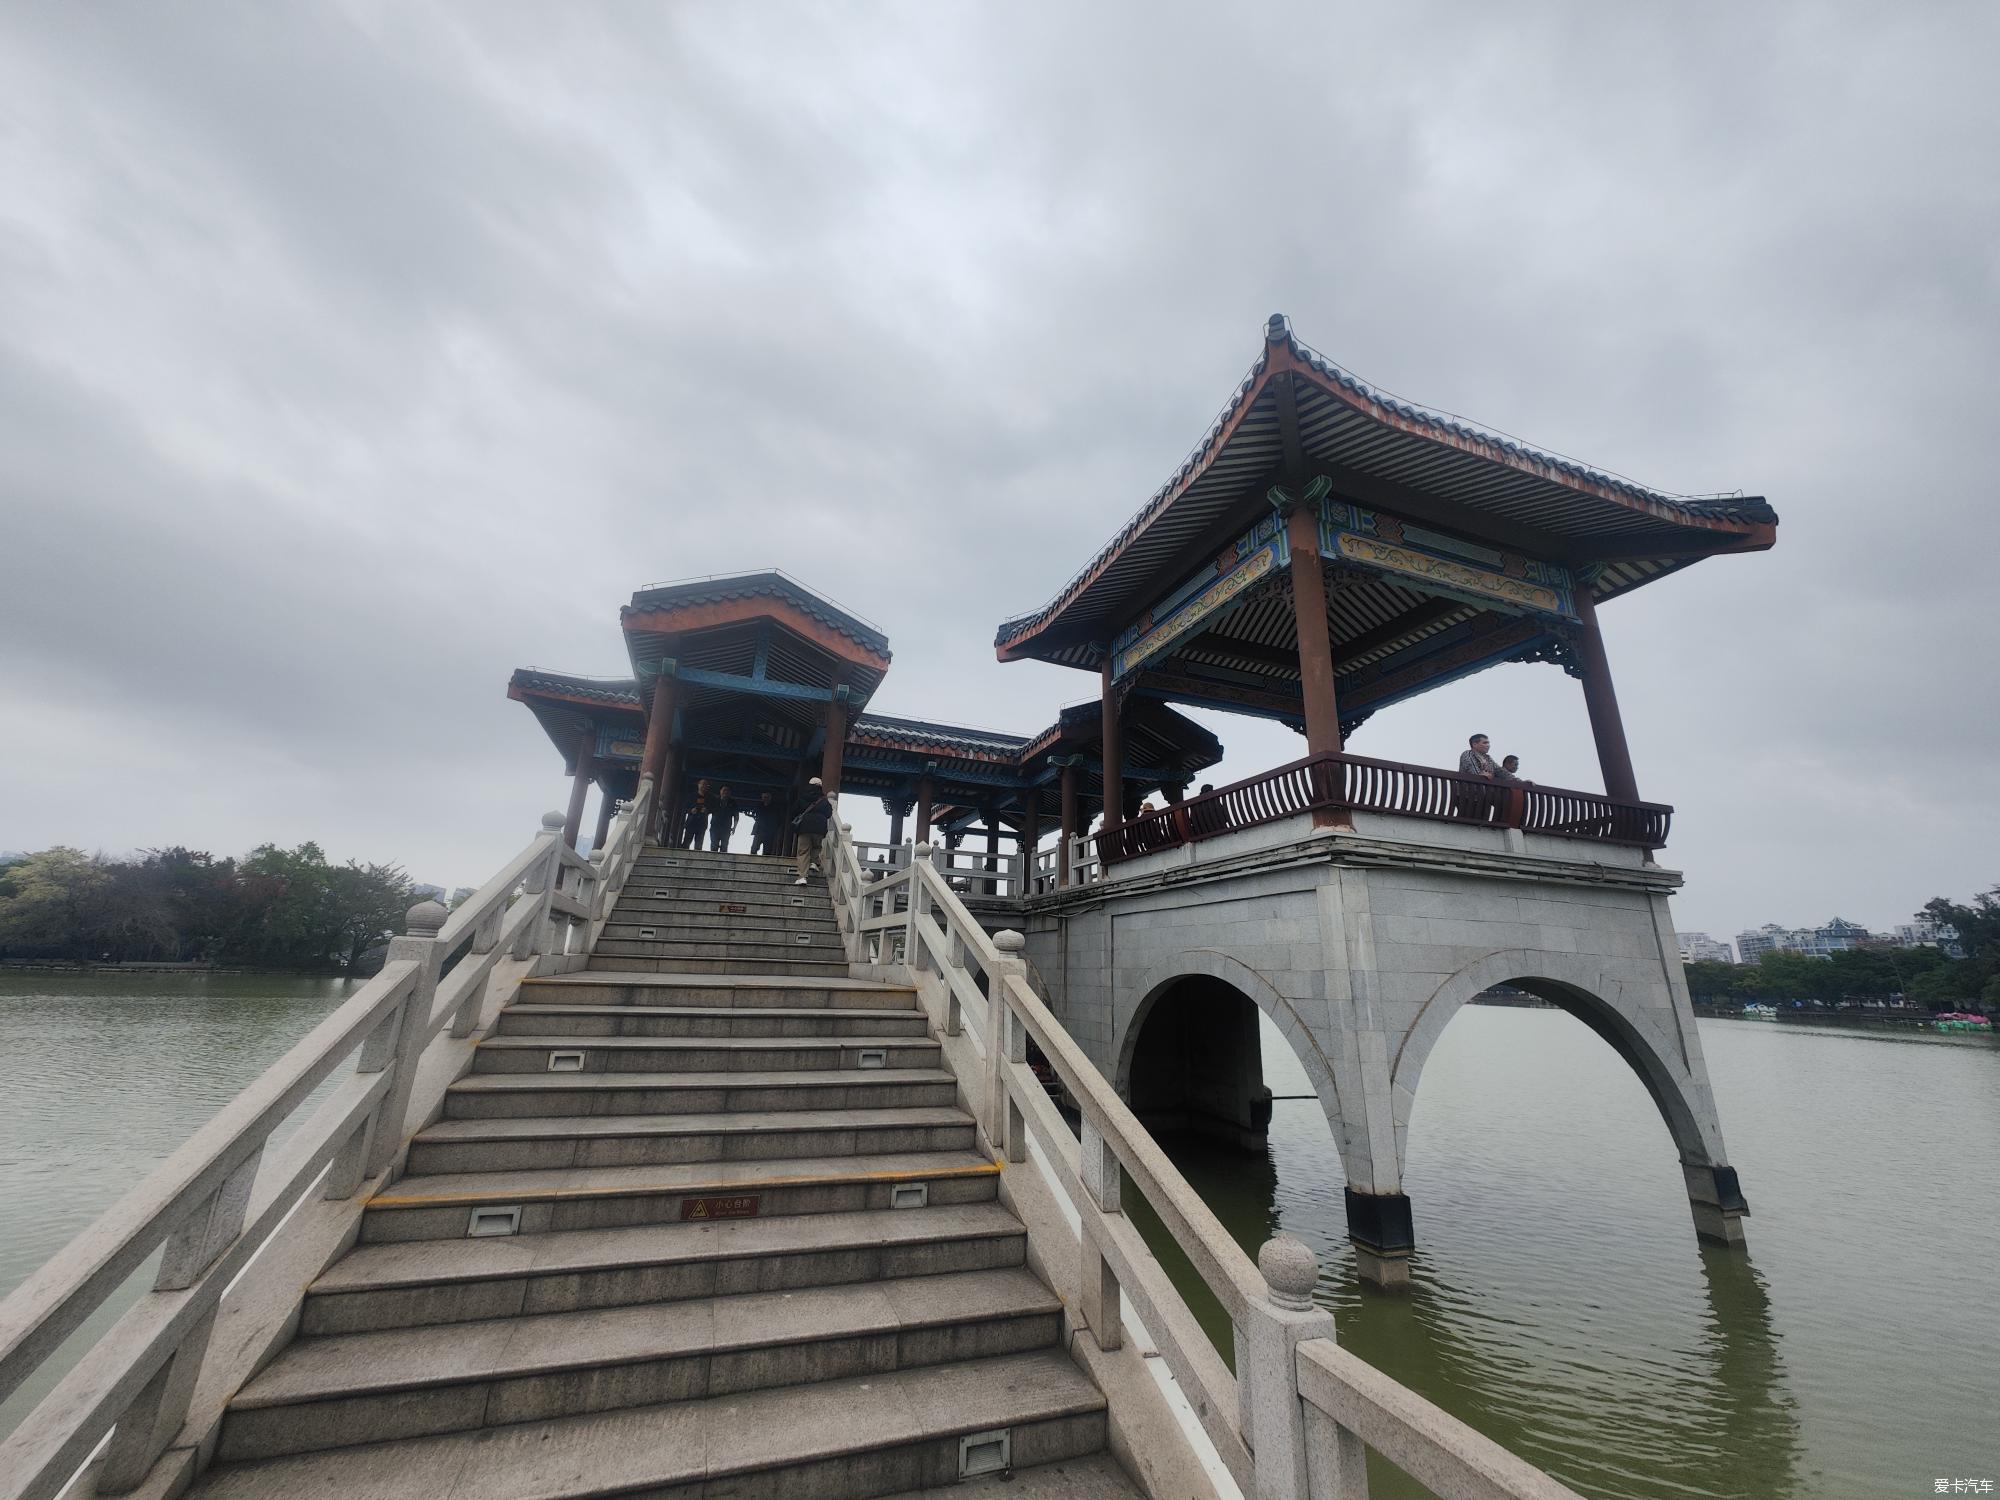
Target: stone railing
point(1293, 1420)
point(245, 1213)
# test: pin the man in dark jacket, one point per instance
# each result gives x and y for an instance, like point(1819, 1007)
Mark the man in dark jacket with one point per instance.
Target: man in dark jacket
point(814, 815)
point(767, 825)
point(721, 821)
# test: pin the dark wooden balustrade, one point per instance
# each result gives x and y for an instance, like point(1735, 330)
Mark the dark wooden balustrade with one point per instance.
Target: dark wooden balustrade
point(1358, 784)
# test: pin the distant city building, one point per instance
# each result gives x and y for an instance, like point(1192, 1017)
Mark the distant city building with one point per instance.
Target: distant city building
point(1814, 942)
point(1927, 932)
point(1700, 948)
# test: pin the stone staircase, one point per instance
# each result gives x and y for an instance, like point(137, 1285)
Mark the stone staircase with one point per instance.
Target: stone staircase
point(705, 1219)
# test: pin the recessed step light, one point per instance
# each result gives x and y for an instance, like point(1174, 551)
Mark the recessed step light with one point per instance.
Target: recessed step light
point(486, 1223)
point(984, 1453)
point(566, 1062)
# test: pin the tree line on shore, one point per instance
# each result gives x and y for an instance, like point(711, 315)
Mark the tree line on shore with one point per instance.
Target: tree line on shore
point(273, 908)
point(1927, 977)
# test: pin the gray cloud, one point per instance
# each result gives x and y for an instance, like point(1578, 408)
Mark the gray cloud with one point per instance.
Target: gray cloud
point(350, 357)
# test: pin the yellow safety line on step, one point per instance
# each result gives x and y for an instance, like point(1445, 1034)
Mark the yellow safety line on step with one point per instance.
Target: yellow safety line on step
point(984, 1169)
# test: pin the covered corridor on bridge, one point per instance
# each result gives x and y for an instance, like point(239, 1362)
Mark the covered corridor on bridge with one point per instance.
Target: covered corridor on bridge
point(755, 682)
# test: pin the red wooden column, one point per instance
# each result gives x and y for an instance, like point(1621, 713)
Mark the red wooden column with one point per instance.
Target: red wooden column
point(1614, 757)
point(896, 825)
point(1315, 646)
point(659, 737)
point(836, 742)
point(1114, 754)
point(1315, 640)
point(1031, 836)
point(926, 793)
point(586, 764)
point(604, 807)
point(1070, 772)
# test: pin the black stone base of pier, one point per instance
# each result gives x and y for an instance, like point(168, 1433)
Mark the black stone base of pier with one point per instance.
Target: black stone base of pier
point(1716, 1197)
point(1380, 1228)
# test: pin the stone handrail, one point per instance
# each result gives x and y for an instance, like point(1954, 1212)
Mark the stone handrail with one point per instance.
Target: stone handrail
point(217, 1204)
point(1291, 1421)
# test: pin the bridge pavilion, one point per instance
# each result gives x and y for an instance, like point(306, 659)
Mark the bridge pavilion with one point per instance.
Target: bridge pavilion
point(755, 682)
point(1326, 551)
point(1323, 552)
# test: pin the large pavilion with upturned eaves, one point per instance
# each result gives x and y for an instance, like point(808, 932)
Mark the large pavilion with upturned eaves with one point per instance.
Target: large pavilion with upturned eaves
point(1327, 550)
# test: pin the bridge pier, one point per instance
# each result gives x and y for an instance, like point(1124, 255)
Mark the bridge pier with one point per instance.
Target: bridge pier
point(1383, 1234)
point(1361, 946)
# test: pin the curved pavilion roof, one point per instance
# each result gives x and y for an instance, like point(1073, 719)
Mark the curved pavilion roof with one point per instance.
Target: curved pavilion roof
point(1298, 415)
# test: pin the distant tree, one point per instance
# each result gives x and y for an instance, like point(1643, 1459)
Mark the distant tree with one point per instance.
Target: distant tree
point(1713, 981)
point(50, 902)
point(1781, 975)
point(1974, 979)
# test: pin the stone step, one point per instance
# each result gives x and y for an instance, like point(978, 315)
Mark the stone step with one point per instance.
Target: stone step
point(1096, 1477)
point(695, 1020)
point(421, 1283)
point(497, 1096)
point(554, 1142)
point(719, 1054)
point(342, 1391)
point(677, 918)
point(706, 909)
point(451, 1205)
point(775, 934)
point(830, 1440)
point(799, 968)
point(745, 872)
point(774, 944)
point(714, 990)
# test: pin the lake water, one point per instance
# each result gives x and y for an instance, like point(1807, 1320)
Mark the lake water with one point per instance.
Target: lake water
point(1560, 1301)
point(1561, 1304)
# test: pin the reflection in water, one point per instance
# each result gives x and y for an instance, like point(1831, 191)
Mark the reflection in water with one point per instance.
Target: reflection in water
point(1562, 1305)
point(1666, 1395)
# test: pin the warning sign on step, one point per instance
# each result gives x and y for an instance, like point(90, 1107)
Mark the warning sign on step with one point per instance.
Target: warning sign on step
point(731, 1206)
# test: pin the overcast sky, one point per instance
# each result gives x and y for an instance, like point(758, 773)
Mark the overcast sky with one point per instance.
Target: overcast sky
point(351, 356)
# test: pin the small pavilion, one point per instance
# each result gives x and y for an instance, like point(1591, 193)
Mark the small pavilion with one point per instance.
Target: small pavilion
point(756, 682)
point(1327, 550)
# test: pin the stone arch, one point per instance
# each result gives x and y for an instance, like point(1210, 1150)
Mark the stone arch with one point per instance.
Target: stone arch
point(1580, 985)
point(1266, 996)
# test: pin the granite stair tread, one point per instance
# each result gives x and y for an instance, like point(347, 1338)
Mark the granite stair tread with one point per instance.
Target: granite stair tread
point(531, 1043)
point(437, 1262)
point(751, 1437)
point(1097, 1477)
point(709, 982)
point(706, 1177)
point(316, 1369)
point(512, 1083)
point(540, 1127)
point(718, 1012)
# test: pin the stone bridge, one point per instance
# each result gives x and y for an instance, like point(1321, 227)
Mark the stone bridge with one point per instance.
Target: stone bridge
point(1361, 945)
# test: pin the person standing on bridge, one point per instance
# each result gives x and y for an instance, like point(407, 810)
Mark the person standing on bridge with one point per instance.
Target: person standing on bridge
point(721, 821)
point(814, 815)
point(695, 823)
point(1477, 760)
point(766, 825)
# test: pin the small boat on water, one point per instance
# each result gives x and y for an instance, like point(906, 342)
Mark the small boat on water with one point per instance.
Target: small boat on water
point(1756, 1012)
point(1959, 1020)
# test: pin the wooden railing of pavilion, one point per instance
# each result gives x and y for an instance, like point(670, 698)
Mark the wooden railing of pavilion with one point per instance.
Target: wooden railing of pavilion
point(1355, 783)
